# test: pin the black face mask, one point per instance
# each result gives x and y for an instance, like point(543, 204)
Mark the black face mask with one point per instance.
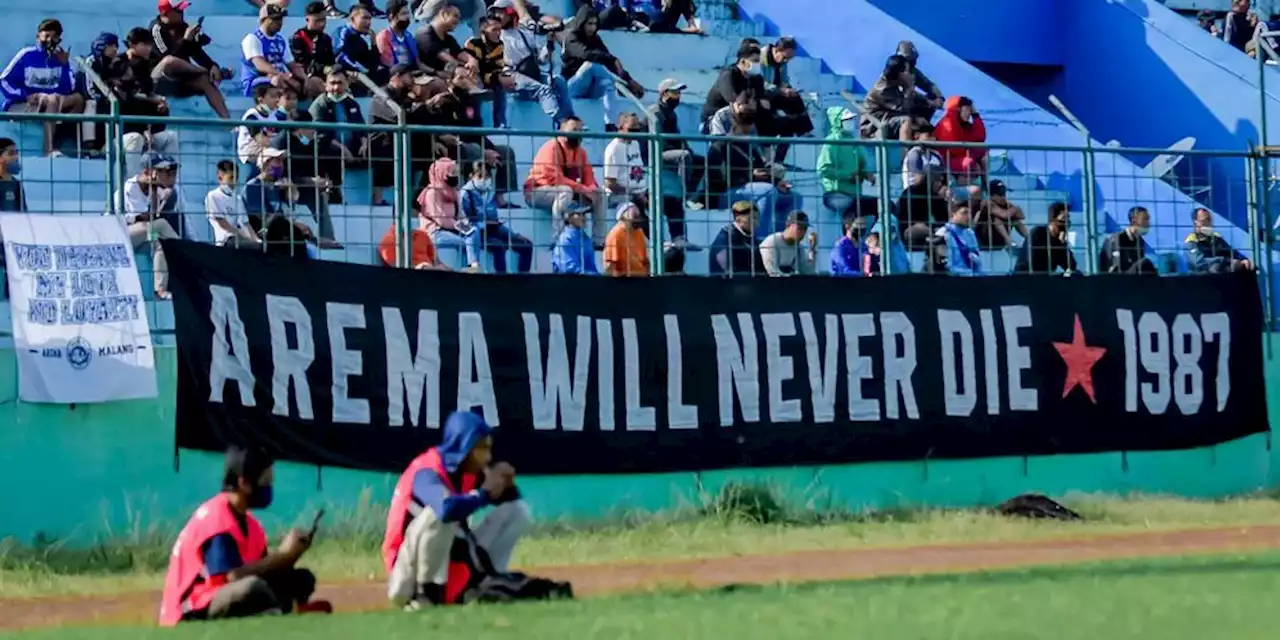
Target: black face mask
point(573, 143)
point(51, 45)
point(671, 102)
point(401, 25)
point(451, 181)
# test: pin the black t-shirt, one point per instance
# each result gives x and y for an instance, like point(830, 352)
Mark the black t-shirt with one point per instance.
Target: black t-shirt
point(11, 196)
point(743, 253)
point(303, 158)
point(431, 44)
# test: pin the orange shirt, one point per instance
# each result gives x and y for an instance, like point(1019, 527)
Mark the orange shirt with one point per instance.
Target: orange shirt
point(422, 249)
point(626, 251)
point(557, 165)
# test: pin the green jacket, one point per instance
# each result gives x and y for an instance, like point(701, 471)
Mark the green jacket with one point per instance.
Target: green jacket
point(841, 167)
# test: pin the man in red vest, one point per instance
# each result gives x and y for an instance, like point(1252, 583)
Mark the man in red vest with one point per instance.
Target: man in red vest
point(432, 502)
point(220, 567)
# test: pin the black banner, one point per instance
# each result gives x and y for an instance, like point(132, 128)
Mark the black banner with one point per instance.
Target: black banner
point(355, 366)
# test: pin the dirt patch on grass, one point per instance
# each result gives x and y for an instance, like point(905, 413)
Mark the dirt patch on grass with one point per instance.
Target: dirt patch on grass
point(809, 566)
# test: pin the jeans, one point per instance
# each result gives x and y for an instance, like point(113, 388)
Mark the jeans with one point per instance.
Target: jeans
point(557, 201)
point(499, 107)
point(770, 202)
point(594, 82)
point(845, 204)
point(497, 239)
point(689, 165)
point(464, 246)
point(152, 232)
point(553, 97)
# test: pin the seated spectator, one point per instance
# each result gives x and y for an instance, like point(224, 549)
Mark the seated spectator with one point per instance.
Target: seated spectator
point(183, 68)
point(562, 175)
point(308, 171)
point(625, 175)
point(265, 57)
point(355, 53)
point(1237, 29)
point(346, 147)
point(1207, 251)
point(1208, 20)
point(400, 96)
point(846, 255)
point(735, 250)
point(39, 79)
point(590, 69)
point(470, 11)
point(439, 208)
point(312, 48)
point(486, 48)
point(744, 76)
point(676, 152)
point(668, 20)
point(525, 51)
point(871, 256)
point(574, 251)
point(1046, 249)
point(479, 204)
point(844, 167)
point(438, 49)
point(252, 139)
point(1124, 251)
point(673, 261)
point(721, 124)
point(925, 195)
point(12, 198)
point(787, 115)
point(128, 77)
point(995, 215)
point(889, 108)
point(225, 210)
point(423, 254)
point(888, 230)
point(624, 15)
point(463, 113)
point(924, 107)
point(268, 200)
point(395, 44)
point(784, 252)
point(962, 255)
point(153, 211)
point(368, 5)
point(740, 169)
point(626, 248)
point(961, 123)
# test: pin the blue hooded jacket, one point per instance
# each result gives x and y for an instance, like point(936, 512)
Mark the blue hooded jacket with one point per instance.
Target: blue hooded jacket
point(34, 70)
point(462, 430)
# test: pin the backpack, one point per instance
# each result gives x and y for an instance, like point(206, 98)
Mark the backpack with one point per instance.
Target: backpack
point(484, 584)
point(1036, 506)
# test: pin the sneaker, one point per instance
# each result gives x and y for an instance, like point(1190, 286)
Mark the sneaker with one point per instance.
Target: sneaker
point(315, 606)
point(335, 12)
point(694, 205)
point(610, 128)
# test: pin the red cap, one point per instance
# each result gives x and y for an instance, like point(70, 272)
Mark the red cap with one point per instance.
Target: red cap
point(165, 6)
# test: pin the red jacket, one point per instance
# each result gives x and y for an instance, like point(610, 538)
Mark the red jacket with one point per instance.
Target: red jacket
point(951, 129)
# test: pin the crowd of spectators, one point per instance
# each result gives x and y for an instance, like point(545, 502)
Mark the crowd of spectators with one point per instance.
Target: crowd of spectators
point(1241, 27)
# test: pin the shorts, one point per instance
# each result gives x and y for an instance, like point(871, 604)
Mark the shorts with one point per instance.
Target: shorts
point(175, 89)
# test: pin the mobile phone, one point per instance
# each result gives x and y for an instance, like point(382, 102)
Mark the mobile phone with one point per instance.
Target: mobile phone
point(200, 22)
point(315, 524)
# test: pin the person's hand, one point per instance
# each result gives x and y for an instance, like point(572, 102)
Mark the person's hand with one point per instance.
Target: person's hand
point(191, 33)
point(438, 149)
point(449, 139)
point(363, 152)
point(507, 82)
point(295, 544)
point(33, 100)
point(764, 105)
point(495, 484)
point(62, 55)
point(760, 175)
point(323, 183)
point(503, 469)
point(345, 153)
point(789, 92)
point(491, 156)
point(215, 76)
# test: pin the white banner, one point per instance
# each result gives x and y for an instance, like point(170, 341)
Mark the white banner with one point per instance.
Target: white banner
point(79, 325)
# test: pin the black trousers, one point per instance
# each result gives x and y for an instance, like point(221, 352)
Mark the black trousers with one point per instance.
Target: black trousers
point(248, 597)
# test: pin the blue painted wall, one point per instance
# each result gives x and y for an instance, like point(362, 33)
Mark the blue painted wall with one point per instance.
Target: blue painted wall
point(1009, 31)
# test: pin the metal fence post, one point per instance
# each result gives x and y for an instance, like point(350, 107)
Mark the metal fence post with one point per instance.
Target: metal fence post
point(403, 203)
point(1090, 208)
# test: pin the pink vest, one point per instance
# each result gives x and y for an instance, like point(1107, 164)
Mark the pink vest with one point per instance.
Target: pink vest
point(183, 591)
point(398, 516)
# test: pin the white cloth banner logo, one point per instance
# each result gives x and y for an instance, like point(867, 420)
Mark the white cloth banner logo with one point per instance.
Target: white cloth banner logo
point(79, 326)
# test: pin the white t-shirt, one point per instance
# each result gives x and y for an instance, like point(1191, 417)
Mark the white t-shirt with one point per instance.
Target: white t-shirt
point(223, 203)
point(247, 149)
point(622, 162)
point(251, 47)
point(136, 202)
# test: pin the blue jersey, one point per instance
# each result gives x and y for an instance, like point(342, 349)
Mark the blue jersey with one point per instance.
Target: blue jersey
point(275, 49)
point(33, 70)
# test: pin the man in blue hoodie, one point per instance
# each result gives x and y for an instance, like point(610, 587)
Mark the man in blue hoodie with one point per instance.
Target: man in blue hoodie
point(479, 203)
point(574, 251)
point(39, 79)
point(963, 255)
point(429, 510)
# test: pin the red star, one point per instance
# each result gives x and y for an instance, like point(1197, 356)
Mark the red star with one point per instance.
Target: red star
point(1080, 358)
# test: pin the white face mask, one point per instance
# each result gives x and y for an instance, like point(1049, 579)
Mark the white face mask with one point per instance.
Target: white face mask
point(483, 185)
point(849, 126)
point(753, 69)
point(1206, 230)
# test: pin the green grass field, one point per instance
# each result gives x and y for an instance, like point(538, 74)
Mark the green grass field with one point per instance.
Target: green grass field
point(1216, 597)
point(727, 528)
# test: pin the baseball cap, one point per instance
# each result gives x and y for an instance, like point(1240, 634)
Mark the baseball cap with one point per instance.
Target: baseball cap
point(165, 6)
point(847, 115)
point(797, 217)
point(671, 84)
point(269, 154)
point(624, 208)
point(997, 188)
point(271, 12)
point(576, 210)
point(158, 161)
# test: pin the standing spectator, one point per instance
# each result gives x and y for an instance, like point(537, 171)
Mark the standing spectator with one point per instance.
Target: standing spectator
point(561, 175)
point(923, 108)
point(787, 115)
point(961, 123)
point(626, 249)
point(479, 204)
point(438, 49)
point(313, 48)
point(963, 256)
point(996, 215)
point(1124, 251)
point(265, 57)
point(843, 167)
point(590, 69)
point(399, 93)
point(395, 44)
point(225, 210)
point(438, 204)
point(486, 48)
point(252, 139)
point(1208, 251)
point(785, 252)
point(12, 197)
point(345, 147)
point(183, 68)
point(1046, 249)
point(153, 211)
point(1208, 21)
point(525, 52)
point(355, 53)
point(925, 195)
point(668, 20)
point(624, 168)
point(891, 103)
point(846, 255)
point(308, 172)
point(574, 251)
point(676, 152)
point(1237, 30)
point(744, 76)
point(741, 170)
point(735, 250)
point(39, 80)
